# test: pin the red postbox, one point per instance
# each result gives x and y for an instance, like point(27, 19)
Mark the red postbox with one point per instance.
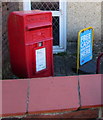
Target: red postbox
point(30, 43)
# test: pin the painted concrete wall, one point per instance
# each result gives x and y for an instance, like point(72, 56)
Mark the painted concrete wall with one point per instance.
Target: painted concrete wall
point(82, 15)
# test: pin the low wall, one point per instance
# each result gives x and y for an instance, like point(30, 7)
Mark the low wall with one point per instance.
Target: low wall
point(38, 95)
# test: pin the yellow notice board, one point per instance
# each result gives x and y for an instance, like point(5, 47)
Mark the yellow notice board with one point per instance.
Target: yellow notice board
point(85, 46)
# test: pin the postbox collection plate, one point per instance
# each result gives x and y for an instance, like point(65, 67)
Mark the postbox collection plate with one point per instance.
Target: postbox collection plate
point(40, 59)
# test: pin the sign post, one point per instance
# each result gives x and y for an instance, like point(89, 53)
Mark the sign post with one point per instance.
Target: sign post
point(85, 46)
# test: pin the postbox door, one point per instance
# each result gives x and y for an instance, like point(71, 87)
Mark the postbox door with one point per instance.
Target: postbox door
point(42, 59)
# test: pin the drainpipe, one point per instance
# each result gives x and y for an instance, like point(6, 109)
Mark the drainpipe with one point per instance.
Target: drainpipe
point(98, 63)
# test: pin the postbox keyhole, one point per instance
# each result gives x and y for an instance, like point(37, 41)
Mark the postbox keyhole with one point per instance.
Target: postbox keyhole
point(40, 44)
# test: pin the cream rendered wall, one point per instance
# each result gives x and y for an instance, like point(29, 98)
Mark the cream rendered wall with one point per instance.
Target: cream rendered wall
point(82, 15)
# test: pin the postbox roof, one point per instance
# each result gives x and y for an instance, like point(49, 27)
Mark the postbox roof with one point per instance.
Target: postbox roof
point(23, 13)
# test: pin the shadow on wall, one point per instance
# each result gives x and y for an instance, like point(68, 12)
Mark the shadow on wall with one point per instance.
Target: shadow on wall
point(7, 7)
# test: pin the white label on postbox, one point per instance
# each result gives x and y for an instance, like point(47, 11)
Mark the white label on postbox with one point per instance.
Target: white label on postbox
point(40, 59)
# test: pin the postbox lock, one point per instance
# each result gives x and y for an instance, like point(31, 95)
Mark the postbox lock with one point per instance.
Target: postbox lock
point(40, 44)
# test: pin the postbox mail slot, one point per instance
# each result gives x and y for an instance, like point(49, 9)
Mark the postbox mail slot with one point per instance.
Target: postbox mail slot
point(38, 35)
point(32, 26)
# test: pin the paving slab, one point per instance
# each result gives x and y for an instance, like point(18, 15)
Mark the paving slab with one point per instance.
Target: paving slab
point(53, 93)
point(0, 96)
point(90, 89)
point(102, 89)
point(14, 96)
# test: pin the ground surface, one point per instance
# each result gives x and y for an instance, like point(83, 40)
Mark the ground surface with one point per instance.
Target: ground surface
point(86, 114)
point(64, 65)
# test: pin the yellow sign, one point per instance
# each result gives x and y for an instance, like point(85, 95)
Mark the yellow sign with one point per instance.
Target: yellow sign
point(85, 46)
